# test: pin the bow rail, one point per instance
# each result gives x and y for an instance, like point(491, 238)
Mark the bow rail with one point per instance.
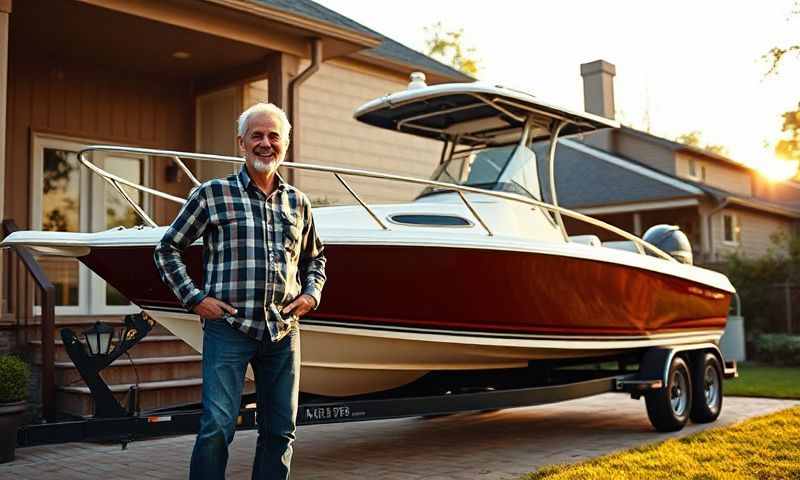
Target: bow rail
point(177, 156)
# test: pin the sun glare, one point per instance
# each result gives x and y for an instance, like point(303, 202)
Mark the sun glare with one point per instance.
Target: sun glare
point(778, 169)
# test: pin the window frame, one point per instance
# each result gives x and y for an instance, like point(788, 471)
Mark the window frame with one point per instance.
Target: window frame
point(736, 229)
point(91, 288)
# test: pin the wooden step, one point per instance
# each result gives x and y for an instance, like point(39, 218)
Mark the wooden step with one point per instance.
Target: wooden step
point(149, 346)
point(149, 369)
point(76, 400)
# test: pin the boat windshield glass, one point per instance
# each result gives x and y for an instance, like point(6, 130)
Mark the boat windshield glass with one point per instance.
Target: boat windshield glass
point(509, 169)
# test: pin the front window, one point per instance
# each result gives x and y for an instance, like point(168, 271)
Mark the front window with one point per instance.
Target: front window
point(67, 198)
point(731, 229)
point(508, 169)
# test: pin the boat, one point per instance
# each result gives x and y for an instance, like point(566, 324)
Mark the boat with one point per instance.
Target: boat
point(478, 273)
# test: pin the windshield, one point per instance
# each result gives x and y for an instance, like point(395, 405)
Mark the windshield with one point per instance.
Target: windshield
point(509, 169)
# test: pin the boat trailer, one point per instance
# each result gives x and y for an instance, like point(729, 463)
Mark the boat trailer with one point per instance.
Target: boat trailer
point(650, 373)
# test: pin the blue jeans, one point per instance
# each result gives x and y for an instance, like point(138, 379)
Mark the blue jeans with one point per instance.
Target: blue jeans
point(226, 353)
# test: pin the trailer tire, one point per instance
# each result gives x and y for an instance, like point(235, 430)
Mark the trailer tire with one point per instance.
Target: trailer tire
point(669, 407)
point(707, 394)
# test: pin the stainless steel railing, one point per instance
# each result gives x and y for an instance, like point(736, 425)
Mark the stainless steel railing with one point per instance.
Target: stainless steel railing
point(338, 172)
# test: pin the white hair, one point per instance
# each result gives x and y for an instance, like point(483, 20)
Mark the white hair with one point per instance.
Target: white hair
point(269, 109)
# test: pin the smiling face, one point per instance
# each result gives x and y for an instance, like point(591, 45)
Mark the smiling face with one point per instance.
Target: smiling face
point(263, 143)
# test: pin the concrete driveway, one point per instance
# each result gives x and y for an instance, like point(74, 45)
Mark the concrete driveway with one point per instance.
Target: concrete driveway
point(496, 445)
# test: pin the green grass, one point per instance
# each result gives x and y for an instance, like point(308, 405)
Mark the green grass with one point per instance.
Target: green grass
point(764, 448)
point(764, 381)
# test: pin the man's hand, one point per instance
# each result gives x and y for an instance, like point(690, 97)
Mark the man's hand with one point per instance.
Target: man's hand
point(211, 309)
point(300, 306)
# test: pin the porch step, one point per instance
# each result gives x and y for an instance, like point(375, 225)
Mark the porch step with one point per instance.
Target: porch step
point(76, 400)
point(150, 346)
point(148, 369)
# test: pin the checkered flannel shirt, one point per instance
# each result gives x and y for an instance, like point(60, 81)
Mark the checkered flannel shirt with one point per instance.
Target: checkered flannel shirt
point(258, 252)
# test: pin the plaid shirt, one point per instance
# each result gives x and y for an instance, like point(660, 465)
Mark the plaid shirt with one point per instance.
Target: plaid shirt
point(259, 252)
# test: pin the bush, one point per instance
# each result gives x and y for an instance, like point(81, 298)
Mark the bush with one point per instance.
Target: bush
point(14, 378)
point(778, 349)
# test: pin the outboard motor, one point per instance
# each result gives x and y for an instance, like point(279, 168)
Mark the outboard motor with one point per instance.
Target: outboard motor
point(671, 240)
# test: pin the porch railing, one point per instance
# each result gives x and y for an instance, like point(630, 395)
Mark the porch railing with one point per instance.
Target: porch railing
point(48, 325)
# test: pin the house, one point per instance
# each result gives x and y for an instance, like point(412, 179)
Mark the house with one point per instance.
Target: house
point(639, 180)
point(173, 74)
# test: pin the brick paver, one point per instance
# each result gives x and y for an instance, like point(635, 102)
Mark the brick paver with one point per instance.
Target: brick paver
point(484, 446)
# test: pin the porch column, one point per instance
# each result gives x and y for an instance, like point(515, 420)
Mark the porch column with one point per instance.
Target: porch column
point(637, 224)
point(5, 14)
point(281, 68)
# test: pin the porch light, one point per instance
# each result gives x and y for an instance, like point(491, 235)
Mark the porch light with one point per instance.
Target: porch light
point(98, 338)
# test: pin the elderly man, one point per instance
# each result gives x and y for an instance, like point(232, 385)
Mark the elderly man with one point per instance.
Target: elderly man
point(263, 270)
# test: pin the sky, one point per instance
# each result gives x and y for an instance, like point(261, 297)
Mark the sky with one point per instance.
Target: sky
point(681, 65)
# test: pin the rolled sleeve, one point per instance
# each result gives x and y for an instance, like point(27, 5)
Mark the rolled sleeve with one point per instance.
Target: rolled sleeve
point(187, 227)
point(312, 260)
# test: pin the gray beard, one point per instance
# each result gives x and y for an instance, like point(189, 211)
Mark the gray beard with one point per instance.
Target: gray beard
point(264, 167)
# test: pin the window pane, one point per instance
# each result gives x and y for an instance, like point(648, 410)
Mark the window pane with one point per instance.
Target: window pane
point(118, 211)
point(61, 191)
point(63, 273)
point(61, 213)
point(728, 220)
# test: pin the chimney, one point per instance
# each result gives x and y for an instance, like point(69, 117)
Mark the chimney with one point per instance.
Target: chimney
point(598, 88)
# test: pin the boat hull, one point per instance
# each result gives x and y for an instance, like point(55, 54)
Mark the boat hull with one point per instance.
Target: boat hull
point(392, 313)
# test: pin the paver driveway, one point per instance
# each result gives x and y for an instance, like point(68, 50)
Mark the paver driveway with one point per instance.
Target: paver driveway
point(480, 446)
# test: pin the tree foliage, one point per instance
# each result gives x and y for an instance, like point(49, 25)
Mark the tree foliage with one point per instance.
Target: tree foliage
point(777, 55)
point(787, 147)
point(447, 46)
point(693, 139)
point(759, 281)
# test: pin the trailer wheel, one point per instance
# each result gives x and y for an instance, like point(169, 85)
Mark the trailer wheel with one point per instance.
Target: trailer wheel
point(668, 408)
point(707, 382)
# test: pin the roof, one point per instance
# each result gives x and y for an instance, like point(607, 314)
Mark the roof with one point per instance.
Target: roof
point(388, 48)
point(614, 180)
point(617, 180)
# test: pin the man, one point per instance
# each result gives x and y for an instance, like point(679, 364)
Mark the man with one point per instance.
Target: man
point(263, 270)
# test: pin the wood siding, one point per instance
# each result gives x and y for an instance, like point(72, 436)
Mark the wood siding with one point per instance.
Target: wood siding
point(330, 136)
point(87, 104)
point(756, 230)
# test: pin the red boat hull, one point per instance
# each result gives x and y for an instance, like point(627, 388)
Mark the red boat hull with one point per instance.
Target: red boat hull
point(475, 290)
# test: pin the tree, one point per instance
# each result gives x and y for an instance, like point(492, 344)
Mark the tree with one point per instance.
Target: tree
point(789, 146)
point(693, 139)
point(447, 47)
point(776, 55)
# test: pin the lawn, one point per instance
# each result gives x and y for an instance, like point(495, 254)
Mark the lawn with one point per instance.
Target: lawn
point(765, 381)
point(764, 448)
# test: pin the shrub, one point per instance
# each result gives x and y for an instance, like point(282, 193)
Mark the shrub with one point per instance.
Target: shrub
point(778, 349)
point(14, 378)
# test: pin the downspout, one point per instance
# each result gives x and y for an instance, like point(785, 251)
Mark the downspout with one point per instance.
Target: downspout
point(710, 229)
point(294, 100)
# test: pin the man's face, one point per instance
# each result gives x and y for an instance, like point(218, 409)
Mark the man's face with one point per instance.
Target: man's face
point(263, 144)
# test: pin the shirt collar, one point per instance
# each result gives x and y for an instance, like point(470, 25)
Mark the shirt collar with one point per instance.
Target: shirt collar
point(246, 181)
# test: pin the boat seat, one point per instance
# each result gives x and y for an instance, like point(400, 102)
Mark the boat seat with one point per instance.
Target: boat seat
point(591, 240)
point(627, 245)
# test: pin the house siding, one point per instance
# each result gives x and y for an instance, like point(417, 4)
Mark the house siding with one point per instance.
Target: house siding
point(628, 146)
point(84, 103)
point(330, 136)
point(755, 233)
point(731, 179)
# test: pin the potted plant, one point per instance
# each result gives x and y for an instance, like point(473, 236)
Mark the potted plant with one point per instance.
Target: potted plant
point(14, 377)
